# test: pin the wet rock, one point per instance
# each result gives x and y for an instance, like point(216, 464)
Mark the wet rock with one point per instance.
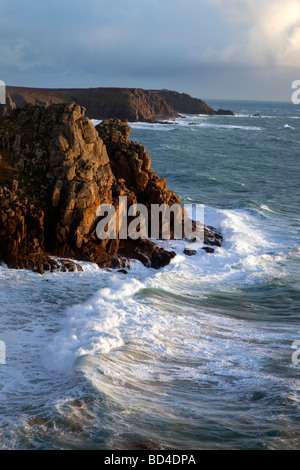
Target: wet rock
point(69, 168)
point(208, 249)
point(189, 252)
point(70, 266)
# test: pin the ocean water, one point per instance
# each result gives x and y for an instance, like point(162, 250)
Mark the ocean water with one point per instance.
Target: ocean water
point(197, 355)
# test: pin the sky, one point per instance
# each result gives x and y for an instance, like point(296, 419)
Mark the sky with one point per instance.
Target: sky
point(211, 49)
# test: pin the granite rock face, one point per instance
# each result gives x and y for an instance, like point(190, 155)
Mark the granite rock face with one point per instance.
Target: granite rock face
point(56, 169)
point(186, 104)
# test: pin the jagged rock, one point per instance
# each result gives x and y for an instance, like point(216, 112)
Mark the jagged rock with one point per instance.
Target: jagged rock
point(68, 266)
point(212, 236)
point(189, 252)
point(69, 168)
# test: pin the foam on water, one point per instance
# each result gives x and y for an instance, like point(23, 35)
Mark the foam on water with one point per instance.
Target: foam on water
point(152, 127)
point(156, 340)
point(266, 208)
point(192, 121)
point(189, 356)
point(92, 327)
point(149, 335)
point(228, 126)
point(95, 121)
point(104, 323)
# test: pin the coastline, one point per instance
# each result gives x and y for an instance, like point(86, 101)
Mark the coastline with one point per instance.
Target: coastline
point(131, 104)
point(187, 356)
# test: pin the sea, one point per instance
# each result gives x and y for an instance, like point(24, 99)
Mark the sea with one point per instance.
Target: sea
point(203, 354)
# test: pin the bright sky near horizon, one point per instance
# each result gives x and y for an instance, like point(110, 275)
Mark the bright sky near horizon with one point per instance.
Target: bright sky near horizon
point(227, 49)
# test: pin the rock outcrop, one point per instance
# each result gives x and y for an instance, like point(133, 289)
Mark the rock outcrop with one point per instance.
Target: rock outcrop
point(133, 104)
point(224, 112)
point(186, 104)
point(56, 169)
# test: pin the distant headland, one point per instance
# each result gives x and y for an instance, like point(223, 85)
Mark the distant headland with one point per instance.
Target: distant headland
point(133, 104)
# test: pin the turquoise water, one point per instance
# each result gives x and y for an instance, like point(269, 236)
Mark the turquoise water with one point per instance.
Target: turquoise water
point(197, 355)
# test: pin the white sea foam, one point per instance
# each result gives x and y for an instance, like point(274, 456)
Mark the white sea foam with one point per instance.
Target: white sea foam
point(163, 345)
point(266, 208)
point(286, 126)
point(228, 126)
point(190, 121)
point(92, 327)
point(151, 126)
point(249, 252)
point(253, 116)
point(95, 121)
point(114, 317)
point(150, 338)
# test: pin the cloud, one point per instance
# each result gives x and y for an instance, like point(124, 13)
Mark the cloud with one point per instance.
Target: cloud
point(264, 33)
point(67, 34)
point(149, 43)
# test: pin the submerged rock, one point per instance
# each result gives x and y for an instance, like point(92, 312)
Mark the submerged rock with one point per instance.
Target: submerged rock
point(39, 421)
point(76, 404)
point(123, 271)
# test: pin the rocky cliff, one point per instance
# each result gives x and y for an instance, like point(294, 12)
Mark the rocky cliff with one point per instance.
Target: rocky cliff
point(184, 103)
point(133, 104)
point(56, 168)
